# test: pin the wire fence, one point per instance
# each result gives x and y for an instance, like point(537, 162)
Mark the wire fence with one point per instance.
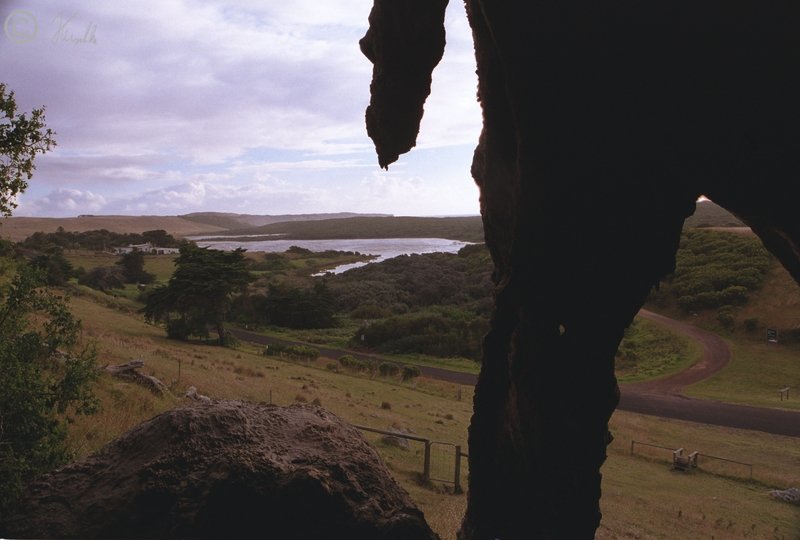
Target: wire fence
point(713, 464)
point(441, 462)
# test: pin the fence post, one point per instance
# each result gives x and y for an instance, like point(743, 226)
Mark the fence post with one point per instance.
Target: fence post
point(426, 471)
point(457, 475)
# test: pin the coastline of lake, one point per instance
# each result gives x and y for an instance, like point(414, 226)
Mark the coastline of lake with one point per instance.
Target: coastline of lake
point(381, 248)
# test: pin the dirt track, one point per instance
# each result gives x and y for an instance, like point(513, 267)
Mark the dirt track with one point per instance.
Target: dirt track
point(657, 398)
point(716, 356)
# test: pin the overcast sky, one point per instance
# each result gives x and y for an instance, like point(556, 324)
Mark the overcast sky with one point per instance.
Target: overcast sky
point(177, 106)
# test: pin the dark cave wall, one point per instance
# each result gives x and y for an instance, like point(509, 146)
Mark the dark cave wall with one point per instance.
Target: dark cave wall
point(603, 123)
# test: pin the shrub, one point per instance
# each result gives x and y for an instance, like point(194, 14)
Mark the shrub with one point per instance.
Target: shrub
point(302, 351)
point(299, 308)
point(275, 349)
point(370, 311)
point(230, 341)
point(45, 378)
point(725, 317)
point(103, 278)
point(716, 269)
point(751, 324)
point(178, 329)
point(410, 372)
point(441, 332)
point(355, 364)
point(386, 405)
point(388, 369)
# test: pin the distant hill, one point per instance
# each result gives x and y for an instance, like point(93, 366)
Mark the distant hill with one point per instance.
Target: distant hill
point(709, 214)
point(468, 229)
point(19, 228)
point(240, 221)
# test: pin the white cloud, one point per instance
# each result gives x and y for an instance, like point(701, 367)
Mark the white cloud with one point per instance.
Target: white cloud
point(176, 92)
point(64, 202)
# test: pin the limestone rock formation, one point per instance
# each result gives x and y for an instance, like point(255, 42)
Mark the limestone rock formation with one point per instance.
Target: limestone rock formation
point(226, 469)
point(603, 122)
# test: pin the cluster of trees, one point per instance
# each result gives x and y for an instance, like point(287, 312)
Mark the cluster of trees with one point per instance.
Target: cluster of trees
point(129, 269)
point(440, 332)
point(97, 240)
point(290, 307)
point(200, 292)
point(715, 269)
point(412, 282)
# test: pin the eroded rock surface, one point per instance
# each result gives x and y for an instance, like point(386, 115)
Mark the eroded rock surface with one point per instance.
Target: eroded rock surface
point(603, 122)
point(227, 469)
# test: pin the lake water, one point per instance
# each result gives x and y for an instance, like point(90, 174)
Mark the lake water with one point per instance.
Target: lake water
point(382, 248)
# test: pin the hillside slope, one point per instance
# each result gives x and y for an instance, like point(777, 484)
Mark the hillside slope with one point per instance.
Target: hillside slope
point(19, 228)
point(239, 221)
point(469, 229)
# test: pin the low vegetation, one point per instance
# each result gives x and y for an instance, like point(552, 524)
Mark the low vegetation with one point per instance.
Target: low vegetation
point(96, 240)
point(641, 496)
point(436, 305)
point(46, 379)
point(467, 229)
point(649, 351)
point(715, 270)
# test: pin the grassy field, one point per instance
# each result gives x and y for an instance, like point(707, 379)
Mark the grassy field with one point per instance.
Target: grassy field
point(757, 369)
point(642, 497)
point(19, 228)
point(756, 372)
point(469, 229)
point(650, 351)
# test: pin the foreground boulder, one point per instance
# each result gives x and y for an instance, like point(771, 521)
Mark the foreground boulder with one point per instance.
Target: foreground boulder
point(225, 469)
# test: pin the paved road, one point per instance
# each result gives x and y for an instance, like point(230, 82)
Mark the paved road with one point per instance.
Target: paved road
point(427, 371)
point(656, 398)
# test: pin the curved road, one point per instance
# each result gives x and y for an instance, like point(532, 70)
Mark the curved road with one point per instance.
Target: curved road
point(716, 355)
point(660, 397)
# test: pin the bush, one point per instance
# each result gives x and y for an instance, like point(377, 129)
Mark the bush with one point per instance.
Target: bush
point(275, 349)
point(302, 351)
point(354, 364)
point(103, 278)
point(386, 405)
point(388, 369)
point(725, 317)
point(230, 341)
point(44, 379)
point(370, 311)
point(410, 372)
point(178, 329)
point(443, 332)
point(751, 324)
point(299, 308)
point(715, 269)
